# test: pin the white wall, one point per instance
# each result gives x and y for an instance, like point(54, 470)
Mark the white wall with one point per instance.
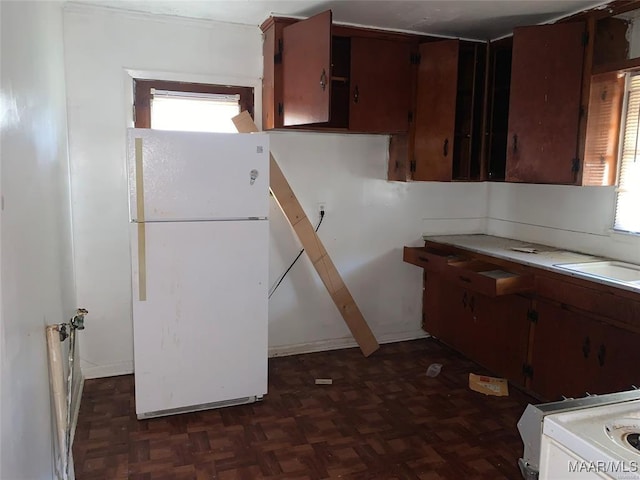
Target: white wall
point(367, 222)
point(575, 218)
point(36, 260)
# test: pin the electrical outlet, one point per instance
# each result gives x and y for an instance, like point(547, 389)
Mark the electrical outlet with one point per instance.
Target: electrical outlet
point(322, 207)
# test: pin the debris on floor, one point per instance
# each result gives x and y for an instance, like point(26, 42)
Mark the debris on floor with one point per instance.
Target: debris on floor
point(434, 369)
point(489, 385)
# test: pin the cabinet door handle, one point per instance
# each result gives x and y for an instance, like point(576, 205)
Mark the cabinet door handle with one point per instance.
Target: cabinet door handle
point(424, 259)
point(586, 347)
point(515, 143)
point(323, 80)
point(465, 279)
point(356, 94)
point(602, 352)
point(472, 303)
point(464, 299)
point(445, 148)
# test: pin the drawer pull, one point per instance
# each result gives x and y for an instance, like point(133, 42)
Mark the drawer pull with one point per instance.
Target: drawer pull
point(465, 279)
point(464, 299)
point(423, 259)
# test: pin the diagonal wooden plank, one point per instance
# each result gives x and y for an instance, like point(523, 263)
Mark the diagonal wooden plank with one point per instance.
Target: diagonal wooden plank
point(312, 244)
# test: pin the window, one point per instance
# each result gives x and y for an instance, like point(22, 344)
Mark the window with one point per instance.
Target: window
point(627, 217)
point(191, 107)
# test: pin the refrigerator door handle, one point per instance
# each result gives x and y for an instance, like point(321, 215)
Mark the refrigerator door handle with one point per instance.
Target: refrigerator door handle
point(142, 263)
point(142, 252)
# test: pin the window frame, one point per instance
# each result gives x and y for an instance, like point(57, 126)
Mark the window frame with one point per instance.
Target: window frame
point(623, 124)
point(142, 96)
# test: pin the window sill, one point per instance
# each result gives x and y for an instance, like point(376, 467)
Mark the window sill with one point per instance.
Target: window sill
point(623, 234)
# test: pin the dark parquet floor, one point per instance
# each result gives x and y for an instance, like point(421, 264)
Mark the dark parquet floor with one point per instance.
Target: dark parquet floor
point(382, 418)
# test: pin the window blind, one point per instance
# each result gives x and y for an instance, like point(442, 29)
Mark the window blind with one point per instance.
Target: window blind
point(627, 216)
point(603, 129)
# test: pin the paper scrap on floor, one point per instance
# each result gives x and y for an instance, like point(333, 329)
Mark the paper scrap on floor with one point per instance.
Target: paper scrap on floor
point(489, 385)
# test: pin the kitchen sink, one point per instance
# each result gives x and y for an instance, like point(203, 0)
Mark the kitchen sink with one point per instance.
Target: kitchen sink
point(612, 270)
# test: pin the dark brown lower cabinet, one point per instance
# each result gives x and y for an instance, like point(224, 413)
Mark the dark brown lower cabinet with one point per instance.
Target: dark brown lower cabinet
point(563, 346)
point(618, 359)
point(493, 332)
point(574, 354)
point(560, 338)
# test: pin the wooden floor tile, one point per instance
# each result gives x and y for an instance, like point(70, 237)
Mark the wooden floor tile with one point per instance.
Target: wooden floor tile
point(382, 418)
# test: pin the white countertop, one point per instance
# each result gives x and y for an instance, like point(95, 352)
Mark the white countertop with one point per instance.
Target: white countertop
point(545, 257)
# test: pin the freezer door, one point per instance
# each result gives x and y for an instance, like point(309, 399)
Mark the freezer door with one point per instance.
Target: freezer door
point(199, 312)
point(181, 176)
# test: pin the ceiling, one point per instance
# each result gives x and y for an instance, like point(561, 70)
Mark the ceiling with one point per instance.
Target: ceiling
point(474, 19)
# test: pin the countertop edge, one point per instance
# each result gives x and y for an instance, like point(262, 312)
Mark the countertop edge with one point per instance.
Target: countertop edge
point(517, 257)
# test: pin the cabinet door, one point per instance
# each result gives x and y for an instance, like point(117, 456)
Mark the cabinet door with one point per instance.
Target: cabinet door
point(444, 308)
point(432, 304)
point(306, 65)
point(501, 334)
point(493, 332)
point(544, 109)
point(564, 345)
point(380, 85)
point(617, 356)
point(435, 115)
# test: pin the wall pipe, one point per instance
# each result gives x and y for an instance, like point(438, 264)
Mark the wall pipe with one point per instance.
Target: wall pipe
point(76, 323)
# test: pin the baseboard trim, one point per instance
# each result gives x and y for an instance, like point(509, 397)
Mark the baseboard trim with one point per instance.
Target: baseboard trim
point(102, 371)
point(340, 343)
point(126, 368)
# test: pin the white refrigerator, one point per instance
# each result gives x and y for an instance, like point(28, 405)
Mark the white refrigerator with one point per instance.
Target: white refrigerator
point(199, 258)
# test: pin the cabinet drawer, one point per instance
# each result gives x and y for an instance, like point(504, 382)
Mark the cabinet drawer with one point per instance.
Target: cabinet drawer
point(600, 300)
point(430, 258)
point(489, 279)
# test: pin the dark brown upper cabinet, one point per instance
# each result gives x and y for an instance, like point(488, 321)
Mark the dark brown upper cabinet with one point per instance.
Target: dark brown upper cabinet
point(380, 81)
point(319, 76)
point(448, 132)
point(435, 110)
point(306, 61)
point(544, 104)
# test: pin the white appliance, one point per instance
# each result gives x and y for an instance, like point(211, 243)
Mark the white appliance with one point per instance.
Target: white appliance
point(595, 443)
point(199, 257)
point(592, 437)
